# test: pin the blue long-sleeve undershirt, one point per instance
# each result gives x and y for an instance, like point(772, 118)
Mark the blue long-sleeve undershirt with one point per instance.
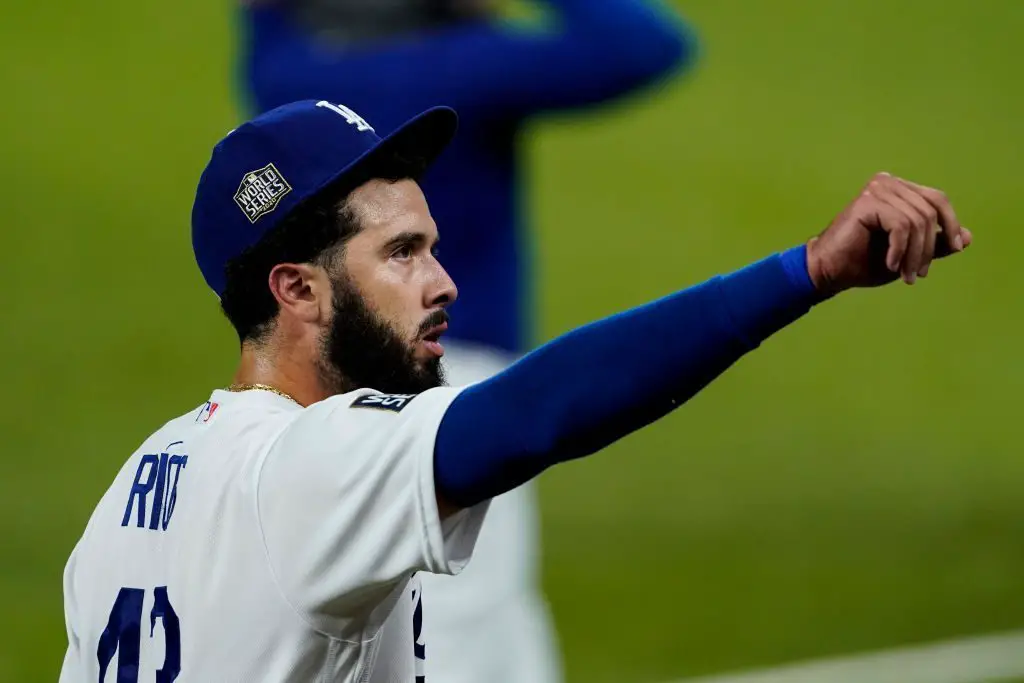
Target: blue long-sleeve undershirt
point(590, 387)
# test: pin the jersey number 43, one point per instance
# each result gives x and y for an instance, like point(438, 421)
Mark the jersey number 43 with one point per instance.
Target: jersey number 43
point(124, 633)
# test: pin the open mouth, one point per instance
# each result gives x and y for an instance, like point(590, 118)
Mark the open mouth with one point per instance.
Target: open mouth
point(432, 339)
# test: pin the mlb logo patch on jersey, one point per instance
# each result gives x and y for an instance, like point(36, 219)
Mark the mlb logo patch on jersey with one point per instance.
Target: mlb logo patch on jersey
point(392, 402)
point(206, 412)
point(260, 192)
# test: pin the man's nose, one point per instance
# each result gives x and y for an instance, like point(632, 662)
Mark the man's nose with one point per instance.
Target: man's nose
point(443, 292)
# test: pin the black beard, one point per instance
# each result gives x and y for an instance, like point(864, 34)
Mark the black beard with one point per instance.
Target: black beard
point(361, 351)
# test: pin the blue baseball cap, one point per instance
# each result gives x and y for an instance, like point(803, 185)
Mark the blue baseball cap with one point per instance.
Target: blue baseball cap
point(262, 170)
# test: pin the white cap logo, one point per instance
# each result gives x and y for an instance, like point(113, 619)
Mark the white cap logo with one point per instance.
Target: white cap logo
point(353, 118)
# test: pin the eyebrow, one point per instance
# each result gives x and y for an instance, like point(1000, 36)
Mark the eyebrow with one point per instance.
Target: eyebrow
point(410, 237)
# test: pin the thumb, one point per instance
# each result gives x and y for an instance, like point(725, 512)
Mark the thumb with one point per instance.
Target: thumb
point(942, 248)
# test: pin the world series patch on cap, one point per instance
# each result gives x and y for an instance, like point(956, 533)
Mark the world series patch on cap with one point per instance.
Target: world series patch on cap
point(262, 170)
point(261, 191)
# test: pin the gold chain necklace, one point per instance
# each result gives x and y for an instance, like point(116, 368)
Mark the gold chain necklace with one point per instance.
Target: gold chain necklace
point(261, 387)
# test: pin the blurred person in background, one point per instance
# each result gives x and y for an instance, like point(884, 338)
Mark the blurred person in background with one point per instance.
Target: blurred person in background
point(390, 59)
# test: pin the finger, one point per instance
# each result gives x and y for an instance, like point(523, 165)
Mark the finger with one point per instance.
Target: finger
point(931, 236)
point(914, 259)
point(951, 227)
point(942, 250)
point(917, 256)
point(897, 226)
point(929, 215)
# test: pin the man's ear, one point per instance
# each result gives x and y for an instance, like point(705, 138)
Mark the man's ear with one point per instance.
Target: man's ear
point(302, 290)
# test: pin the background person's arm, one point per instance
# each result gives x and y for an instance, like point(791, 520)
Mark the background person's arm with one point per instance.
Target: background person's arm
point(590, 51)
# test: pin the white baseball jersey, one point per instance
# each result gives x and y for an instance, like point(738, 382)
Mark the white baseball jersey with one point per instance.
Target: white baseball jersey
point(254, 540)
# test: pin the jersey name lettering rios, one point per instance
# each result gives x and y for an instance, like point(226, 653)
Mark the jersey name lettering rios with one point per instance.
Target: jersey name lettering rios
point(158, 475)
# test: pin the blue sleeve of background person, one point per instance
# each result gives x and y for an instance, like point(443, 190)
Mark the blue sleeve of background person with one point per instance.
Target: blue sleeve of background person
point(593, 51)
point(590, 387)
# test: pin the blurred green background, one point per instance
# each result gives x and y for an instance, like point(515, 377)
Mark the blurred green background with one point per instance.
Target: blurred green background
point(857, 483)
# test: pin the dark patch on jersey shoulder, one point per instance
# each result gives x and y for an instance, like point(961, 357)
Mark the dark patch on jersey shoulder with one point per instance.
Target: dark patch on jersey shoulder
point(393, 402)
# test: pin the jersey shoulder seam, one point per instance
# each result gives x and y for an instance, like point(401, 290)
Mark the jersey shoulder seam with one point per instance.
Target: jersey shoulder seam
point(263, 539)
point(266, 550)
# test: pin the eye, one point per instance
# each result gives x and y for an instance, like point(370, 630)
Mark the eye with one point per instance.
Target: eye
point(402, 252)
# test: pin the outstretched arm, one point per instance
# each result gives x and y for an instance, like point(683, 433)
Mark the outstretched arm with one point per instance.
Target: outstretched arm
point(581, 392)
point(592, 51)
point(589, 388)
